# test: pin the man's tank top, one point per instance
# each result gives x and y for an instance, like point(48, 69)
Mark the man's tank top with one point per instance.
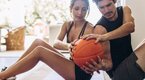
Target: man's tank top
point(81, 33)
point(121, 47)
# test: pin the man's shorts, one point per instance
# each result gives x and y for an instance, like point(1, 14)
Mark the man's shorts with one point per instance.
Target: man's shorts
point(81, 75)
point(129, 70)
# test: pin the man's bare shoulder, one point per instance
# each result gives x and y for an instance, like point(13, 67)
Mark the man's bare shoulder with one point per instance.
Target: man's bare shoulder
point(126, 8)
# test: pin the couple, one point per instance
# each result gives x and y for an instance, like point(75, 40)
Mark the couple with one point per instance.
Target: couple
point(115, 26)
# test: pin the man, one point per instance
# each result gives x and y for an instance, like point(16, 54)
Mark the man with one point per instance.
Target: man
point(119, 24)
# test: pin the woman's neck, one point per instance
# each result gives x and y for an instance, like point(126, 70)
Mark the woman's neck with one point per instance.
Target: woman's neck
point(79, 23)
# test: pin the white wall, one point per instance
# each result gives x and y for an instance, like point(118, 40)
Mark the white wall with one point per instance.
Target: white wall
point(54, 31)
point(138, 11)
point(15, 14)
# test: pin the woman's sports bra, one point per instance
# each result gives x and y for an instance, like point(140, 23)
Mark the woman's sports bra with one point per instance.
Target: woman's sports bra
point(81, 33)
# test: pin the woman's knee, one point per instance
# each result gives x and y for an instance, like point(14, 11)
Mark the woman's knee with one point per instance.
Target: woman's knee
point(41, 49)
point(38, 42)
point(38, 50)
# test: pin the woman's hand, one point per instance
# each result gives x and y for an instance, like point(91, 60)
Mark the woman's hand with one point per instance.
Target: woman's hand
point(71, 47)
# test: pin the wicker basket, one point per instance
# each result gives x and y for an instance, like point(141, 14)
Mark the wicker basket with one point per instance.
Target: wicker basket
point(15, 39)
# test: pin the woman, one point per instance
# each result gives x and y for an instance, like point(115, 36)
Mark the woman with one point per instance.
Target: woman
point(45, 53)
point(79, 25)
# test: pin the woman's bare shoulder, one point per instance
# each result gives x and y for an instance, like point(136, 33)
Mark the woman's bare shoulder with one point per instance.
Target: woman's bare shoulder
point(100, 29)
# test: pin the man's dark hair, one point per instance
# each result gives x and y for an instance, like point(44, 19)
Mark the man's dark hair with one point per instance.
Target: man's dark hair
point(96, 1)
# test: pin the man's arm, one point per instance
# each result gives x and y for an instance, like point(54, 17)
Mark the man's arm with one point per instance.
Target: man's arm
point(107, 61)
point(126, 28)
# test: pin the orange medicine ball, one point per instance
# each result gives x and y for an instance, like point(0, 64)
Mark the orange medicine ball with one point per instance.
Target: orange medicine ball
point(84, 50)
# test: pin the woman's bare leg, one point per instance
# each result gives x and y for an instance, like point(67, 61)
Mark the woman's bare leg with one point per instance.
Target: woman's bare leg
point(140, 53)
point(37, 42)
point(61, 65)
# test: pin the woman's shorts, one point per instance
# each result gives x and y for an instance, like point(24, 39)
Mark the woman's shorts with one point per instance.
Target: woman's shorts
point(80, 74)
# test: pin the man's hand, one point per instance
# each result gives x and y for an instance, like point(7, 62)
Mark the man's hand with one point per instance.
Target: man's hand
point(98, 37)
point(93, 65)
